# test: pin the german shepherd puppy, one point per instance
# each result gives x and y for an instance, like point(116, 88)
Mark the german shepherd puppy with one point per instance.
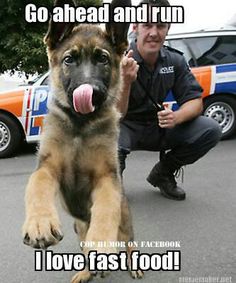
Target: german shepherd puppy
point(78, 150)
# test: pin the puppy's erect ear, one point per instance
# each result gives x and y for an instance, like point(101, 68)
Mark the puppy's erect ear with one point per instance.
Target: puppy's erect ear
point(57, 32)
point(117, 32)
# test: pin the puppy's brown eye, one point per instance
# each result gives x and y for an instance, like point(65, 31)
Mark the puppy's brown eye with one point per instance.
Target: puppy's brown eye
point(68, 60)
point(103, 58)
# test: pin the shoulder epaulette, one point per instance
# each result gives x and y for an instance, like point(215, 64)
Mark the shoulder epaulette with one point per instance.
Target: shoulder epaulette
point(173, 49)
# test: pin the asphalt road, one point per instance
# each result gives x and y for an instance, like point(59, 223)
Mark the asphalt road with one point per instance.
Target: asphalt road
point(203, 225)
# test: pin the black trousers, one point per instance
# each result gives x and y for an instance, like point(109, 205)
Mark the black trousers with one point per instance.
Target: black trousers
point(184, 144)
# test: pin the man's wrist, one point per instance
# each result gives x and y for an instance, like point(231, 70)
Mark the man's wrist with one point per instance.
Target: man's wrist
point(126, 86)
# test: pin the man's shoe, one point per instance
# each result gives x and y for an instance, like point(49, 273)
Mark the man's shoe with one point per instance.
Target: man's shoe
point(165, 181)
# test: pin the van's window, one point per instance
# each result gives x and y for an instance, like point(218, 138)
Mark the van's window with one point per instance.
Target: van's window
point(210, 50)
point(45, 81)
point(213, 50)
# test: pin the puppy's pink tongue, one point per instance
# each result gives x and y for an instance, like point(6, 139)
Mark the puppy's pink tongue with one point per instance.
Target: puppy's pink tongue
point(82, 99)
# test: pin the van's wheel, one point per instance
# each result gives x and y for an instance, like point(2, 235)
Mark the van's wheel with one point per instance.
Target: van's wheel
point(10, 136)
point(222, 108)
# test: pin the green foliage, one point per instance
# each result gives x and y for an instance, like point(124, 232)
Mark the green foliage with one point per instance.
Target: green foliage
point(87, 3)
point(21, 45)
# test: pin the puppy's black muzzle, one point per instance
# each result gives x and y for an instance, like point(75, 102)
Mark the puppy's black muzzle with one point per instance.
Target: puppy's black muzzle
point(99, 95)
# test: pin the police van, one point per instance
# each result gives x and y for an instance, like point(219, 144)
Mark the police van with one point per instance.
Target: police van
point(210, 54)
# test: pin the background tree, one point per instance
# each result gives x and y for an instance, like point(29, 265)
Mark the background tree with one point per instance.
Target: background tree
point(21, 43)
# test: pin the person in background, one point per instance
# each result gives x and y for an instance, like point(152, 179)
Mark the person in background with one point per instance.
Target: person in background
point(149, 71)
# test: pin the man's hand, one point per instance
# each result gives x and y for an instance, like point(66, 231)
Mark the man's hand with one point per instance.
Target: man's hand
point(187, 111)
point(129, 68)
point(167, 118)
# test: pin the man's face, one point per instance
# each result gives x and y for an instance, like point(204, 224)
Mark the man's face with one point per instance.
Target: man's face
point(150, 37)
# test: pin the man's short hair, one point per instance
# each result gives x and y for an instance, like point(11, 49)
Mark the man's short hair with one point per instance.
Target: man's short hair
point(158, 3)
point(155, 2)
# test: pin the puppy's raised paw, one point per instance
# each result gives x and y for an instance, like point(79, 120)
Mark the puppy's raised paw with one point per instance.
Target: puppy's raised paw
point(41, 232)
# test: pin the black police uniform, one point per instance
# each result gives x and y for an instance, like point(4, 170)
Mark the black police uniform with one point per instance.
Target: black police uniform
point(139, 129)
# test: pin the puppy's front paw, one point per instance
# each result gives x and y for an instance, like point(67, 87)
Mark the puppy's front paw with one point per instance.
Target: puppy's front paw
point(42, 231)
point(136, 274)
point(100, 255)
point(101, 274)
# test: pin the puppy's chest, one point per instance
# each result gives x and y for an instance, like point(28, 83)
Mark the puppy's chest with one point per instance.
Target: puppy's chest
point(80, 168)
point(75, 188)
